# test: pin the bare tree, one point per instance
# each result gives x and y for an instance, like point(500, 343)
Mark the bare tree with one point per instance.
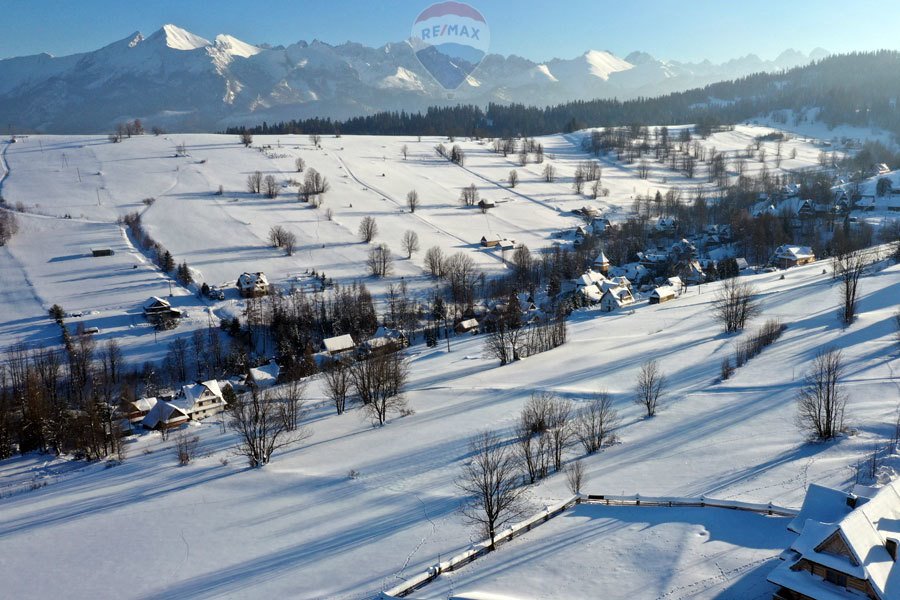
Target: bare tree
point(257, 420)
point(595, 422)
point(734, 305)
point(412, 200)
point(289, 243)
point(337, 382)
point(469, 195)
point(314, 184)
point(368, 229)
point(404, 151)
point(559, 429)
point(435, 261)
point(292, 404)
point(246, 138)
point(186, 448)
point(848, 268)
point(380, 261)
point(821, 401)
point(575, 477)
point(299, 164)
point(276, 236)
point(578, 183)
point(491, 482)
point(513, 178)
point(254, 182)
point(549, 173)
point(315, 139)
point(270, 185)
point(379, 383)
point(410, 243)
point(651, 385)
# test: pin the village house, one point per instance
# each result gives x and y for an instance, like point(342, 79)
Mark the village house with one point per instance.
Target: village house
point(339, 344)
point(662, 294)
point(264, 376)
point(489, 241)
point(157, 309)
point(164, 415)
point(676, 284)
point(467, 326)
point(200, 400)
point(665, 225)
point(136, 410)
point(792, 256)
point(846, 548)
point(384, 340)
point(615, 298)
point(251, 285)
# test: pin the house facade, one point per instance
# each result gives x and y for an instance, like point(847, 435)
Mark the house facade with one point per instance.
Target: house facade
point(251, 285)
point(793, 256)
point(846, 548)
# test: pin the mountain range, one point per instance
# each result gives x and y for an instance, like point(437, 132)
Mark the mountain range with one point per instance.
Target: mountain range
point(180, 81)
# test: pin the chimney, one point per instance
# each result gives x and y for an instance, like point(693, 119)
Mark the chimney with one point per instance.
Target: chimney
point(890, 545)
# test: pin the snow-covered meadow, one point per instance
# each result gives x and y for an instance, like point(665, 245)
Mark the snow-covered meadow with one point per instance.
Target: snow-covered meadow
point(356, 509)
point(74, 190)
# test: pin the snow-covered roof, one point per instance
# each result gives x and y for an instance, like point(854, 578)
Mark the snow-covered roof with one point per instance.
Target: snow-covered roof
point(340, 343)
point(468, 324)
point(191, 394)
point(156, 302)
point(822, 504)
point(249, 280)
point(143, 404)
point(664, 291)
point(601, 259)
point(864, 530)
point(794, 252)
point(163, 412)
point(266, 375)
point(675, 282)
point(618, 295)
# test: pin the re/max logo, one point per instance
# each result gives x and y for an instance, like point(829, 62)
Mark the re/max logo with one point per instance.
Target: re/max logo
point(448, 30)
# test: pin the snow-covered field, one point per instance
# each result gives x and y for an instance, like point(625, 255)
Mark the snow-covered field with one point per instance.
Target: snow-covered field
point(94, 182)
point(303, 526)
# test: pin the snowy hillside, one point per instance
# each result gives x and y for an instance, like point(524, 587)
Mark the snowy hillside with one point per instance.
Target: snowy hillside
point(304, 527)
point(96, 182)
point(184, 82)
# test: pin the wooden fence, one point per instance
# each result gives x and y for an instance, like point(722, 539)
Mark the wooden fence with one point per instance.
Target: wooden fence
point(478, 550)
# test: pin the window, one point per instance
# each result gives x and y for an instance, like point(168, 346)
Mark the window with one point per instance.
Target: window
point(836, 578)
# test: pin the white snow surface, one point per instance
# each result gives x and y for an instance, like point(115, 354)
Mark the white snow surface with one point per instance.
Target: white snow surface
point(302, 526)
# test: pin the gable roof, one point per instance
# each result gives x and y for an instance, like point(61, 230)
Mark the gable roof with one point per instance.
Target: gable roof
point(822, 504)
point(339, 343)
point(163, 412)
point(794, 252)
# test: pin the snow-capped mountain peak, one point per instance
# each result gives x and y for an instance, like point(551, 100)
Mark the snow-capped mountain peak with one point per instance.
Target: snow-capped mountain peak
point(603, 63)
point(179, 39)
point(236, 47)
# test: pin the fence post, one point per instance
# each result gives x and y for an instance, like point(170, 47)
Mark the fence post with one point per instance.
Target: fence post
point(637, 499)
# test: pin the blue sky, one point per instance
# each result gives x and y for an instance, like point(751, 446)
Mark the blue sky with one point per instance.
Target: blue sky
point(536, 29)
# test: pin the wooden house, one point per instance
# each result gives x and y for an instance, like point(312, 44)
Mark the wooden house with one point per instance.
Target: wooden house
point(792, 256)
point(156, 308)
point(136, 410)
point(663, 293)
point(489, 241)
point(339, 344)
point(251, 285)
point(850, 553)
point(615, 298)
point(200, 400)
point(164, 415)
point(467, 326)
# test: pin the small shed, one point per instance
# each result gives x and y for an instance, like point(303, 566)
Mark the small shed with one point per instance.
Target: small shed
point(662, 294)
point(489, 241)
point(339, 344)
point(102, 252)
point(469, 325)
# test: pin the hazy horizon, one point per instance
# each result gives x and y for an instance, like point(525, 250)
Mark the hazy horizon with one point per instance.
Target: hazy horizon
point(688, 32)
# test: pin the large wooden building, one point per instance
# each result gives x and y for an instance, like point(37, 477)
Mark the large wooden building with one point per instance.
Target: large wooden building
point(846, 548)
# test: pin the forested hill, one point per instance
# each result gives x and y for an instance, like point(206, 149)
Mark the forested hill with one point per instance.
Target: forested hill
point(856, 89)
